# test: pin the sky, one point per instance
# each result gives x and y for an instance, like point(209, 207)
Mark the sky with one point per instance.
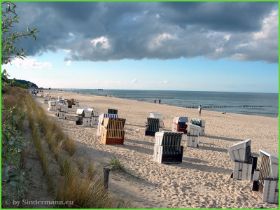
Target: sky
point(158, 46)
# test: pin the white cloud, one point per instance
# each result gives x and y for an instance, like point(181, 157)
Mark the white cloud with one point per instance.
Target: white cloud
point(30, 64)
point(269, 24)
point(159, 40)
point(101, 42)
point(227, 37)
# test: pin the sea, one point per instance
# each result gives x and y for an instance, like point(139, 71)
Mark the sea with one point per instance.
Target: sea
point(264, 104)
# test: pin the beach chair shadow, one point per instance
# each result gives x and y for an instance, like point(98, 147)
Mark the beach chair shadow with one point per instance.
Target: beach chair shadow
point(138, 148)
point(140, 142)
point(194, 160)
point(222, 138)
point(212, 148)
point(204, 168)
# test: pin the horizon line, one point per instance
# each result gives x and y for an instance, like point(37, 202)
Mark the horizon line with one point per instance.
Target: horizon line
point(166, 90)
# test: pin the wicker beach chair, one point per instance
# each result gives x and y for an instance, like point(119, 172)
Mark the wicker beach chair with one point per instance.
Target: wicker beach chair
point(167, 147)
point(101, 120)
point(152, 126)
point(157, 115)
point(112, 131)
point(179, 124)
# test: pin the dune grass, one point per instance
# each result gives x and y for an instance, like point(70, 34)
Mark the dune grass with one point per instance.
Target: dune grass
point(75, 181)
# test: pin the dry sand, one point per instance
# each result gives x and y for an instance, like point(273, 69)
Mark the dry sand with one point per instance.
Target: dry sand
point(202, 180)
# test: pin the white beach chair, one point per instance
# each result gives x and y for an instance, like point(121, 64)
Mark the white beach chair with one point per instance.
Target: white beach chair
point(52, 106)
point(192, 136)
point(167, 147)
point(200, 123)
point(241, 151)
point(266, 177)
point(240, 154)
point(157, 115)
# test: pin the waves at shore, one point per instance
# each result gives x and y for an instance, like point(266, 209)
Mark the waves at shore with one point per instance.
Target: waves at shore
point(264, 104)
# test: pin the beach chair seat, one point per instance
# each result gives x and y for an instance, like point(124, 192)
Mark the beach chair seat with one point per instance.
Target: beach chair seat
point(152, 126)
point(242, 171)
point(167, 147)
point(79, 120)
point(112, 131)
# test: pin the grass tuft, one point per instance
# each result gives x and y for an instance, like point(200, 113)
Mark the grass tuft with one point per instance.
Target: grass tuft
point(116, 165)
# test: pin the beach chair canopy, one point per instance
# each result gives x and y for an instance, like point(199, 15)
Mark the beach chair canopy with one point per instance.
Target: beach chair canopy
point(167, 138)
point(268, 165)
point(114, 123)
point(88, 112)
point(155, 115)
point(80, 111)
point(197, 121)
point(102, 116)
point(240, 152)
point(180, 119)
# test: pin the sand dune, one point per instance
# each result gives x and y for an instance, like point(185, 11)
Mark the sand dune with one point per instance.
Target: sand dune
point(202, 180)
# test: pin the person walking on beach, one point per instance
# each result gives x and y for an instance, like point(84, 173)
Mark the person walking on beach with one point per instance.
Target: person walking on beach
point(199, 110)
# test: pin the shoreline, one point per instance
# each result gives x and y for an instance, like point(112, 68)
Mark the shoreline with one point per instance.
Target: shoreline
point(186, 108)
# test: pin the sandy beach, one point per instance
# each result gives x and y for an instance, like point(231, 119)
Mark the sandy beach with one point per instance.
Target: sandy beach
point(202, 180)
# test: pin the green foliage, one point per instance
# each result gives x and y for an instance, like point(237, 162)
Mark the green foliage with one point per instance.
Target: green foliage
point(9, 36)
point(13, 144)
point(22, 83)
point(116, 165)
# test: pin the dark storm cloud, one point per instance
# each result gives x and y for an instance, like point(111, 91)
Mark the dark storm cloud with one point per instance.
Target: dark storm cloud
point(112, 31)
